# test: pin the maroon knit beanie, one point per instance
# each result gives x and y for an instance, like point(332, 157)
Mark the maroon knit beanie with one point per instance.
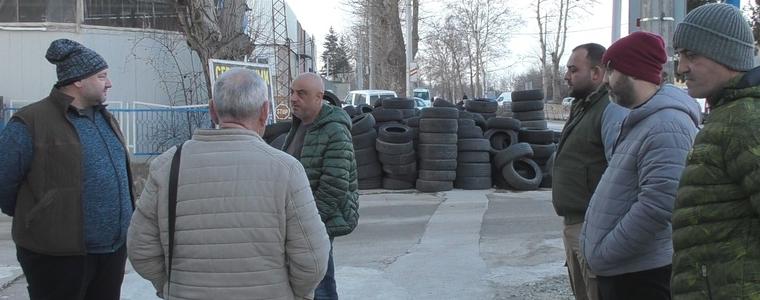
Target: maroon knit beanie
point(639, 55)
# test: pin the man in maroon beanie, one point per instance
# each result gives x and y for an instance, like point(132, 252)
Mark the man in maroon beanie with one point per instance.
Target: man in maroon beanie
point(626, 238)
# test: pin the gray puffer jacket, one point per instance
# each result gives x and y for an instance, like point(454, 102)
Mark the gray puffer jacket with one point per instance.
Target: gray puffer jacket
point(627, 226)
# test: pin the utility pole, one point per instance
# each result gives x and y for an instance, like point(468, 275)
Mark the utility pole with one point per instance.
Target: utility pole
point(370, 14)
point(615, 20)
point(409, 57)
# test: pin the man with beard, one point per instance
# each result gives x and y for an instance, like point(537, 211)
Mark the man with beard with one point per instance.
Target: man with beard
point(626, 238)
point(716, 220)
point(582, 156)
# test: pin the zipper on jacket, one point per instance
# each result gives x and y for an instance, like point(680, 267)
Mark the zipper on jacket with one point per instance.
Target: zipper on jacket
point(707, 282)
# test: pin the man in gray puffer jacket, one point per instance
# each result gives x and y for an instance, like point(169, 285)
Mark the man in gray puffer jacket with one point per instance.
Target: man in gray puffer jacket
point(626, 238)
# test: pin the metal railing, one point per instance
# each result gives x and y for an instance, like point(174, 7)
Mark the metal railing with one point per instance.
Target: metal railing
point(152, 130)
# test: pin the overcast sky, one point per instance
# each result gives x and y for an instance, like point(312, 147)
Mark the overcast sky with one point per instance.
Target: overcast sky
point(316, 17)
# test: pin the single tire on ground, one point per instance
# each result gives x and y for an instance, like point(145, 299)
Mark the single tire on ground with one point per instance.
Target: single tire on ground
point(522, 174)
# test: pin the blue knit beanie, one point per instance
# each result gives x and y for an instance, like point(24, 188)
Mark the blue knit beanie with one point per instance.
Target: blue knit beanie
point(719, 32)
point(73, 62)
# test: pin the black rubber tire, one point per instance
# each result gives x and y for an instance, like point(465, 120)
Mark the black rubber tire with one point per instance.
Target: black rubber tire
point(364, 108)
point(410, 177)
point(408, 113)
point(398, 103)
point(473, 145)
point(500, 139)
point(273, 131)
point(413, 122)
point(523, 106)
point(386, 115)
point(439, 125)
point(279, 141)
point(473, 157)
point(536, 136)
point(437, 164)
point(488, 116)
point(365, 140)
point(438, 138)
point(369, 171)
point(392, 148)
point(546, 181)
point(473, 183)
point(480, 121)
point(466, 115)
point(362, 123)
point(443, 103)
point(428, 186)
point(400, 169)
point(365, 156)
point(437, 151)
point(538, 124)
point(503, 123)
point(522, 174)
point(371, 183)
point(557, 136)
point(350, 110)
point(473, 170)
point(437, 175)
point(470, 132)
point(465, 122)
point(481, 106)
point(528, 95)
point(439, 113)
point(543, 151)
point(516, 151)
point(549, 165)
point(395, 133)
point(395, 184)
point(397, 159)
point(381, 124)
point(535, 115)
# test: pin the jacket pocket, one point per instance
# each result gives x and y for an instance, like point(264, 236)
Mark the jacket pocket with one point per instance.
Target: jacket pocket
point(706, 278)
point(45, 202)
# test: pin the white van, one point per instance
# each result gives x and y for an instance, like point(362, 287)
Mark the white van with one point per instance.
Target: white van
point(506, 96)
point(368, 97)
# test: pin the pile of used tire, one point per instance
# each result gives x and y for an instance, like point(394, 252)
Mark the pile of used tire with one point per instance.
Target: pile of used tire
point(438, 127)
point(364, 137)
point(485, 107)
point(473, 159)
point(512, 166)
point(528, 107)
point(396, 153)
point(541, 141)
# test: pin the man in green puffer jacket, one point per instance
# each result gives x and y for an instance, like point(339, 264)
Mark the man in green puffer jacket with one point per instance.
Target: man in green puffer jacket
point(320, 139)
point(716, 221)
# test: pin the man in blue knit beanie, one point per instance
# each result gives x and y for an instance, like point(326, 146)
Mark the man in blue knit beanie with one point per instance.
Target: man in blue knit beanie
point(65, 180)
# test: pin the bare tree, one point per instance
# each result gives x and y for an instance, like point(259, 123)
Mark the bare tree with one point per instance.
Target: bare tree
point(215, 29)
point(552, 18)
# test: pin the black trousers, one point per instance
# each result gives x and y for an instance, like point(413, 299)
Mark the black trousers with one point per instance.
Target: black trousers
point(651, 284)
point(81, 277)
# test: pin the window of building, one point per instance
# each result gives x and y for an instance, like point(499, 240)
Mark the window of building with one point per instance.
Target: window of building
point(59, 11)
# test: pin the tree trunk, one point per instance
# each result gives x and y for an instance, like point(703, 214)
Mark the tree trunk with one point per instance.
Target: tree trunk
point(389, 53)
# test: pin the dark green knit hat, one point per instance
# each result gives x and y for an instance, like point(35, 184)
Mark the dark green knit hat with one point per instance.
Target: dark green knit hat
point(719, 32)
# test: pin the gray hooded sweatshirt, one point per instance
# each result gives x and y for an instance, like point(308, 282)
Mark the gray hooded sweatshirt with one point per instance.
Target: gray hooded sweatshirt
point(627, 226)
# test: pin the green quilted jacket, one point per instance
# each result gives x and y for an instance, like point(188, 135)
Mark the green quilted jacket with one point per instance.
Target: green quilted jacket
point(716, 221)
point(328, 157)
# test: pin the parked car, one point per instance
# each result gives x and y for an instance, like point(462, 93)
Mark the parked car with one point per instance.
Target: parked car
point(423, 94)
point(506, 96)
point(420, 103)
point(368, 97)
point(567, 101)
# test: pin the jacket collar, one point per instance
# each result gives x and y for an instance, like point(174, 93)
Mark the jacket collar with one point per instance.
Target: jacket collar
point(744, 85)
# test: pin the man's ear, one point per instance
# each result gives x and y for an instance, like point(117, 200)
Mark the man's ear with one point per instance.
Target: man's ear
point(212, 111)
point(597, 73)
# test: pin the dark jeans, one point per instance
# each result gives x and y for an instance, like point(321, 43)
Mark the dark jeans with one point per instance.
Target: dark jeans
point(651, 284)
point(327, 290)
point(81, 277)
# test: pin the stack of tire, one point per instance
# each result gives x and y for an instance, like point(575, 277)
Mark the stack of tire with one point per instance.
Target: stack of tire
point(542, 143)
point(394, 110)
point(414, 125)
point(438, 127)
point(512, 165)
point(484, 107)
point(473, 159)
point(528, 107)
point(396, 154)
point(364, 137)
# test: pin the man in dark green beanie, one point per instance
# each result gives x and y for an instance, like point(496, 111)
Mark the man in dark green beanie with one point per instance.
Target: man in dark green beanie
point(716, 220)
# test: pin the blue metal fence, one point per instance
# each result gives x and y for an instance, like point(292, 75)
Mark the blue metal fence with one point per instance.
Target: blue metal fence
point(151, 131)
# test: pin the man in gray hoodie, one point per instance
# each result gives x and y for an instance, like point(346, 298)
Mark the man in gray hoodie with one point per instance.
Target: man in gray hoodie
point(626, 238)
